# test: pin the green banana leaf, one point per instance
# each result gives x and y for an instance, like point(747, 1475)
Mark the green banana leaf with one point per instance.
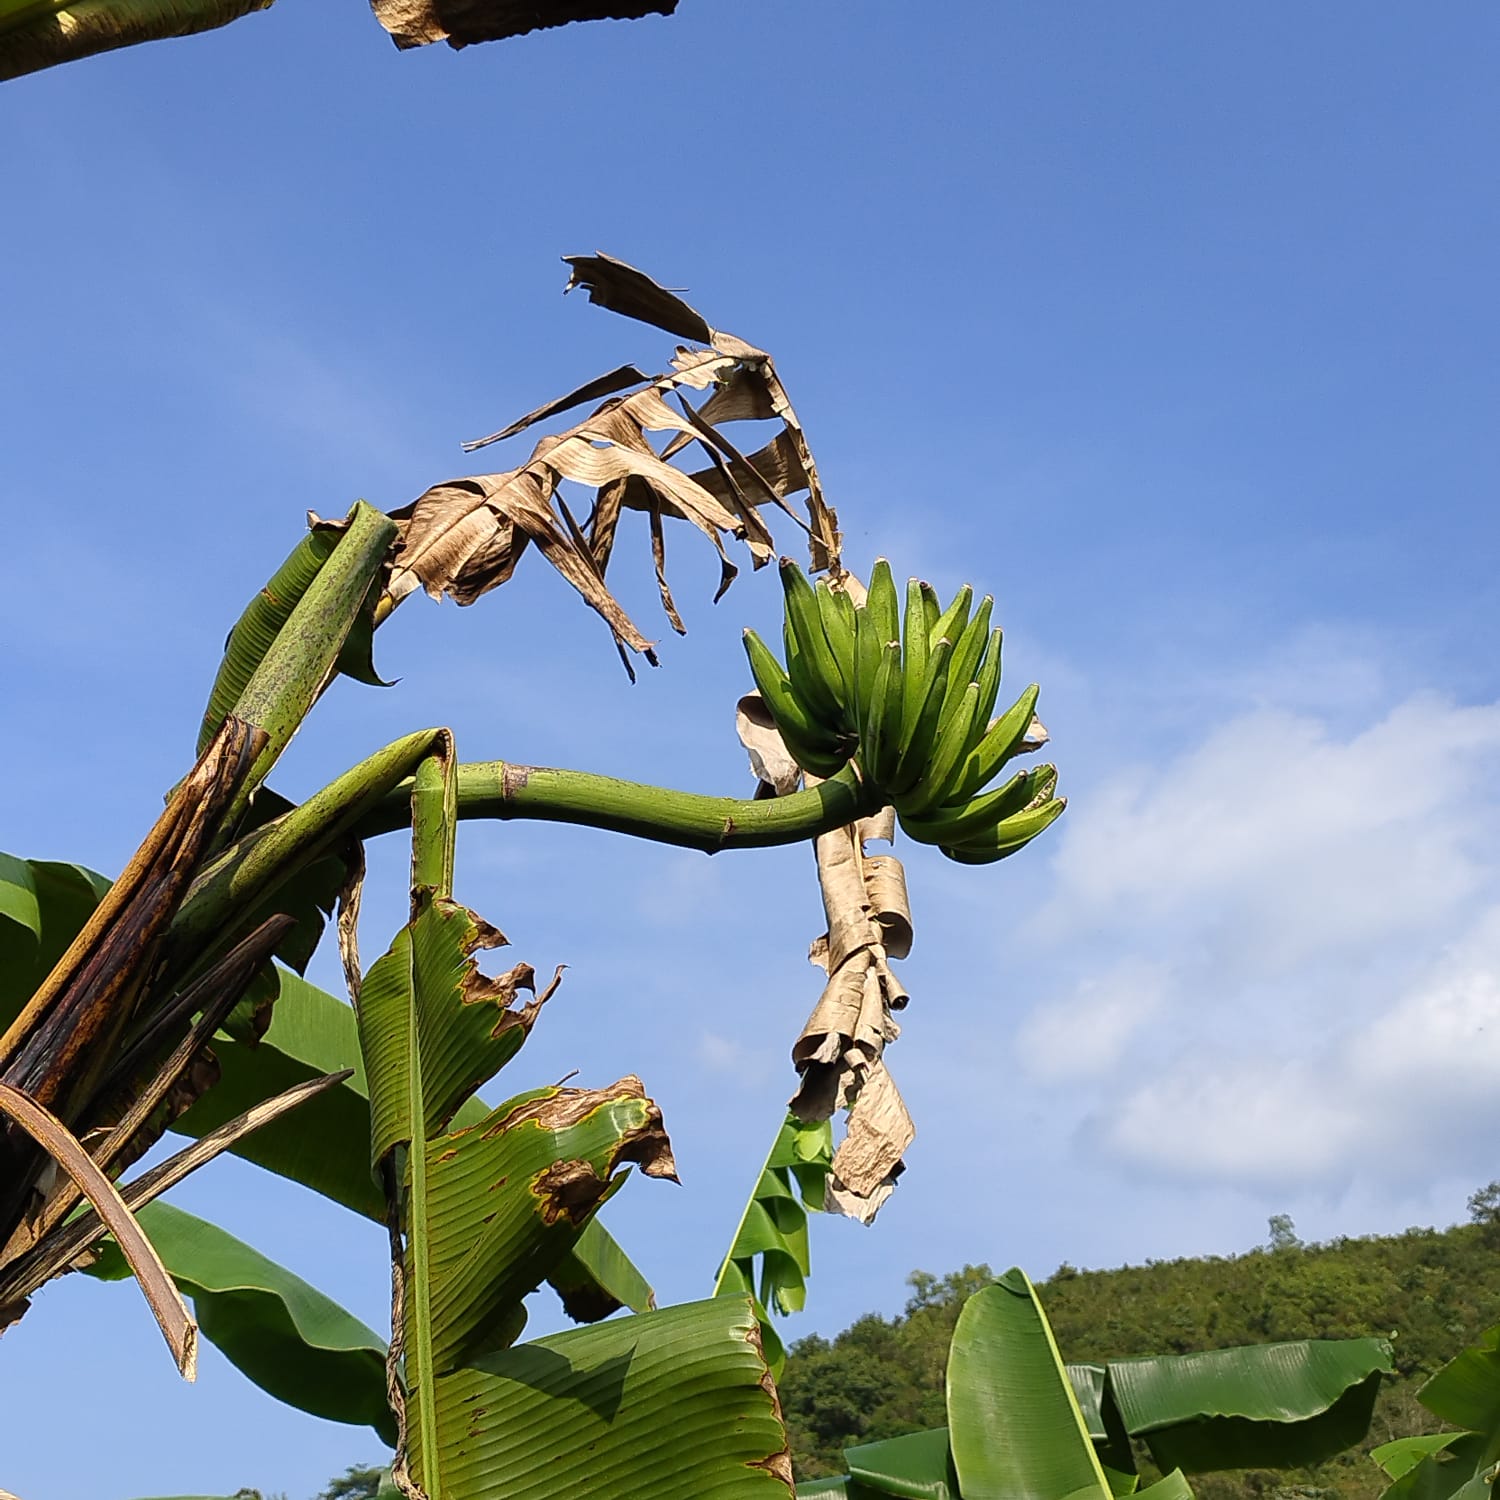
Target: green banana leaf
point(328, 1148)
point(1466, 1391)
point(489, 1211)
point(296, 1344)
point(597, 1278)
point(1014, 1423)
point(1460, 1471)
point(1102, 1419)
point(773, 1229)
point(675, 1405)
point(1402, 1455)
point(918, 1466)
point(1017, 1424)
point(1262, 1406)
point(43, 904)
point(267, 612)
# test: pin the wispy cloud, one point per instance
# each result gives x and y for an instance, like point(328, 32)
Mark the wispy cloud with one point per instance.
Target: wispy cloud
point(1285, 942)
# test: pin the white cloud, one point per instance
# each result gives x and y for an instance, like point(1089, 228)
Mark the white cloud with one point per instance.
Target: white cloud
point(1286, 950)
point(1086, 1033)
point(723, 1054)
point(1407, 1091)
point(1276, 841)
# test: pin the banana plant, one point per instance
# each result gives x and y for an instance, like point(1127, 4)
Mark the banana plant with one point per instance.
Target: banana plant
point(170, 998)
point(1022, 1425)
point(480, 1215)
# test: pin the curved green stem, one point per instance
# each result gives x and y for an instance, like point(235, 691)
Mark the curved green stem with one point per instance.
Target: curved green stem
point(498, 789)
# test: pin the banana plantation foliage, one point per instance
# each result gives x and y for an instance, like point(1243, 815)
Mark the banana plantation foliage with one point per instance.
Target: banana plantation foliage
point(1427, 1292)
point(171, 998)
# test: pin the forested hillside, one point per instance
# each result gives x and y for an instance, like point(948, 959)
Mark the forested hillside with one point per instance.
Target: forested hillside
point(1428, 1291)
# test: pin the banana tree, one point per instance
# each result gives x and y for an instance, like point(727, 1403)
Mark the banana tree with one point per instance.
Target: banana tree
point(1464, 1462)
point(1022, 1425)
point(171, 997)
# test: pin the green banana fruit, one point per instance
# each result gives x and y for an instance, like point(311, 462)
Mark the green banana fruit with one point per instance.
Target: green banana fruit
point(916, 650)
point(1043, 784)
point(1001, 741)
point(877, 744)
point(838, 631)
point(867, 644)
point(988, 675)
point(932, 611)
point(810, 743)
point(806, 687)
point(1006, 836)
point(825, 683)
point(918, 739)
point(955, 821)
point(937, 783)
point(881, 599)
point(953, 619)
point(969, 647)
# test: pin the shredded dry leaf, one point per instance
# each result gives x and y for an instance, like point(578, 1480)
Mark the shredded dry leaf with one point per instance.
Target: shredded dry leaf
point(464, 537)
point(461, 23)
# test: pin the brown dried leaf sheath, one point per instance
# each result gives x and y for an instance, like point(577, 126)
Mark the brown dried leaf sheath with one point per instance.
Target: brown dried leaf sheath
point(460, 23)
point(464, 537)
point(841, 1050)
point(160, 1291)
point(59, 1047)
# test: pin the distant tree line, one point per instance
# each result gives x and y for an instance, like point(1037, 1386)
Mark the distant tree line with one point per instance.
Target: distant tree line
point(1428, 1291)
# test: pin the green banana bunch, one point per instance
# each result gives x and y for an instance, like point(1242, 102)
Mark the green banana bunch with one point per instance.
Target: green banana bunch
point(907, 689)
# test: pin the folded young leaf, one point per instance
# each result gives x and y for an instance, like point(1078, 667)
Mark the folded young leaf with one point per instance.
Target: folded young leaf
point(1015, 1426)
point(257, 628)
point(773, 1228)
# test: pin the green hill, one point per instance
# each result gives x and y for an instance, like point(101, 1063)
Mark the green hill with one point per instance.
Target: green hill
point(1429, 1291)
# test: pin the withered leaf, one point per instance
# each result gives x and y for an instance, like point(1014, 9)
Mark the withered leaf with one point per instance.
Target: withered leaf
point(594, 390)
point(461, 23)
point(464, 537)
point(166, 1303)
point(770, 760)
point(621, 288)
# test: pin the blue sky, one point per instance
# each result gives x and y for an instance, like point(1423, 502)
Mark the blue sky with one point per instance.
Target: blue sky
point(1173, 326)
